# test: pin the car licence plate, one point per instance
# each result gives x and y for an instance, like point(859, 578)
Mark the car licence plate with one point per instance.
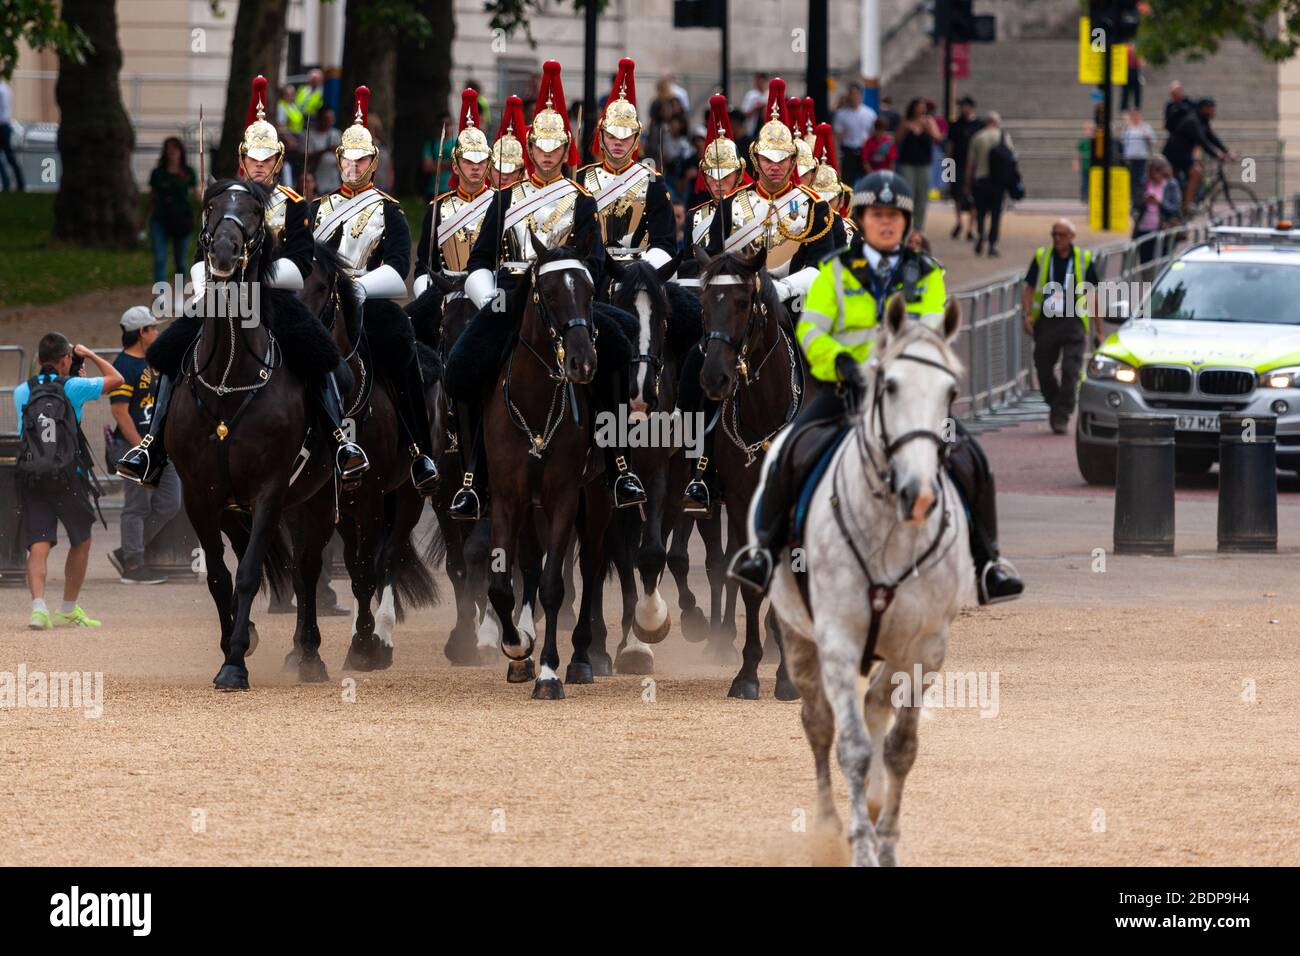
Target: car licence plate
point(1198, 423)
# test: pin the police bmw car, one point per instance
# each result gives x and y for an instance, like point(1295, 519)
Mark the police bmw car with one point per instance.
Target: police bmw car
point(1219, 332)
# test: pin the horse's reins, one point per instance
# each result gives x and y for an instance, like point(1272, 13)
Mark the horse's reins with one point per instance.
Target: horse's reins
point(563, 393)
point(758, 316)
point(881, 595)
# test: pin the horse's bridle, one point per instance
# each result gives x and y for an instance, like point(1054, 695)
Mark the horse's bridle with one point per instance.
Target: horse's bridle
point(251, 245)
point(891, 446)
point(539, 306)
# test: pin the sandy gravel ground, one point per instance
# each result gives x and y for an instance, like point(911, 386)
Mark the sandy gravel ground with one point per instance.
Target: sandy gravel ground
point(1121, 737)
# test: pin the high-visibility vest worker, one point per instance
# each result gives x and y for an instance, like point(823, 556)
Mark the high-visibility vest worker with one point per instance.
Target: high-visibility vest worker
point(1080, 270)
point(309, 101)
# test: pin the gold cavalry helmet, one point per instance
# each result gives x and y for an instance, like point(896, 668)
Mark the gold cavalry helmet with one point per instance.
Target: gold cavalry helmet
point(471, 142)
point(720, 156)
point(826, 181)
point(550, 129)
point(620, 118)
point(260, 139)
point(774, 142)
point(804, 124)
point(508, 151)
point(356, 142)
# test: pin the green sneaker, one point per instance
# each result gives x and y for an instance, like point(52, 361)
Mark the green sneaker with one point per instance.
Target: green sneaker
point(78, 618)
point(40, 621)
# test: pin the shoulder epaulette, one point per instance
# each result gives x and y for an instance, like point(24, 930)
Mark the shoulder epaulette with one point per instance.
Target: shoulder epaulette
point(289, 192)
point(580, 188)
point(810, 192)
point(386, 196)
point(441, 196)
point(707, 202)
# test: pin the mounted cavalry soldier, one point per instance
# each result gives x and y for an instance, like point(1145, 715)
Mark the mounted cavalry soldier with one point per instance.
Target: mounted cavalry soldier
point(635, 209)
point(549, 208)
point(776, 215)
point(261, 154)
point(452, 221)
point(507, 165)
point(721, 168)
point(825, 182)
point(837, 331)
point(368, 230)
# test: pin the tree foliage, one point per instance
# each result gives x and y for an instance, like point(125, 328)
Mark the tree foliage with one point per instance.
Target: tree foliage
point(38, 24)
point(1195, 28)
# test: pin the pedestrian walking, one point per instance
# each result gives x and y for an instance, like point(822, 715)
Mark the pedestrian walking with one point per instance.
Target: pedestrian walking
point(1056, 316)
point(853, 125)
point(7, 156)
point(988, 190)
point(916, 138)
point(880, 151)
point(1138, 143)
point(1133, 87)
point(171, 217)
point(145, 510)
point(54, 472)
point(1160, 205)
point(957, 148)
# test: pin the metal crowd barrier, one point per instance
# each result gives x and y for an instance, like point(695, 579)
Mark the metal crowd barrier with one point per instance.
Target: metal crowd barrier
point(992, 341)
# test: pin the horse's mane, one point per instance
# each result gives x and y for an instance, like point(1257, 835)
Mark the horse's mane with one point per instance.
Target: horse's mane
point(734, 264)
point(639, 276)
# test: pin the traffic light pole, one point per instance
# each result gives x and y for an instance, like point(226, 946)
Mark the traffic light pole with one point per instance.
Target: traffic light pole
point(726, 47)
point(1106, 124)
point(588, 79)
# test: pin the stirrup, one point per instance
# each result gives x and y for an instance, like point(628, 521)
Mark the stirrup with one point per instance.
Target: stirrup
point(696, 490)
point(348, 450)
point(466, 493)
point(761, 586)
point(148, 475)
point(429, 483)
point(1007, 566)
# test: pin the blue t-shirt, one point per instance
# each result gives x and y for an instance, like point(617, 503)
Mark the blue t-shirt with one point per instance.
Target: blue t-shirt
point(79, 391)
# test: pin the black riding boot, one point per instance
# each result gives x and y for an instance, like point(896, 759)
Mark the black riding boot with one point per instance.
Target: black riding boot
point(753, 565)
point(350, 460)
point(414, 417)
point(467, 503)
point(626, 487)
point(144, 463)
point(995, 579)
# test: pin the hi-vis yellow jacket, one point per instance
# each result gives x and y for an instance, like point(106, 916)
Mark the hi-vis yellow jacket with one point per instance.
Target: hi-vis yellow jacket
point(839, 315)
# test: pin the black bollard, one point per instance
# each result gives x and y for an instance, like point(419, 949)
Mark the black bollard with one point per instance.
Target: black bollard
point(1144, 485)
point(1247, 482)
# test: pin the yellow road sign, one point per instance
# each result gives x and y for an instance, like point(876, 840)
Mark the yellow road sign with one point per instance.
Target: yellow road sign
point(1090, 57)
point(1119, 196)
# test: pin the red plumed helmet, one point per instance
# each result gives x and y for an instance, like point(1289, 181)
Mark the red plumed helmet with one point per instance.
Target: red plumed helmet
point(824, 147)
point(809, 117)
point(719, 119)
point(257, 99)
point(550, 95)
point(620, 120)
point(362, 113)
point(794, 115)
point(469, 115)
point(776, 101)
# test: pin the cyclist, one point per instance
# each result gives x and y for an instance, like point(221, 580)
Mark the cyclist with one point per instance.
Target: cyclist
point(1191, 131)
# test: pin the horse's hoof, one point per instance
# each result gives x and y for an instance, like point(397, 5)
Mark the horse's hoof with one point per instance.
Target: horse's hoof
point(312, 670)
point(292, 659)
point(231, 677)
point(462, 653)
point(744, 688)
point(602, 665)
point(521, 672)
point(715, 652)
point(488, 655)
point(549, 689)
point(635, 661)
point(695, 626)
point(785, 689)
point(655, 636)
point(578, 673)
point(252, 639)
point(356, 661)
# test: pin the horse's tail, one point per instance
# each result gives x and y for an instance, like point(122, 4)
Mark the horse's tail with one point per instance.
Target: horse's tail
point(277, 562)
point(435, 548)
point(413, 585)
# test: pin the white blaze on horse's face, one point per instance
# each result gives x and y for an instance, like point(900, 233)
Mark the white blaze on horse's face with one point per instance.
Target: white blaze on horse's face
point(643, 370)
point(916, 397)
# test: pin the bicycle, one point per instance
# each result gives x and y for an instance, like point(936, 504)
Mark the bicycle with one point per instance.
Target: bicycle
point(1217, 189)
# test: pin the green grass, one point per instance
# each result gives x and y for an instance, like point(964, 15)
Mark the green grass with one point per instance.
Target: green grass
point(35, 270)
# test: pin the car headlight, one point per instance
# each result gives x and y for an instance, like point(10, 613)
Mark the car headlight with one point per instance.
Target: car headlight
point(1288, 377)
point(1103, 366)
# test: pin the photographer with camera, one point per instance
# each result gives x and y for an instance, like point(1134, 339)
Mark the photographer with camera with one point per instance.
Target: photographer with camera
point(54, 471)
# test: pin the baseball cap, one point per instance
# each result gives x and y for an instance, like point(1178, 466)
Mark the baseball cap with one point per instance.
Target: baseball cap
point(137, 317)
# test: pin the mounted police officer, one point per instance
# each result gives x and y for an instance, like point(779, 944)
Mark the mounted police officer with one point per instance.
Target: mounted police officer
point(555, 210)
point(777, 214)
point(368, 230)
point(837, 331)
point(635, 209)
point(261, 154)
